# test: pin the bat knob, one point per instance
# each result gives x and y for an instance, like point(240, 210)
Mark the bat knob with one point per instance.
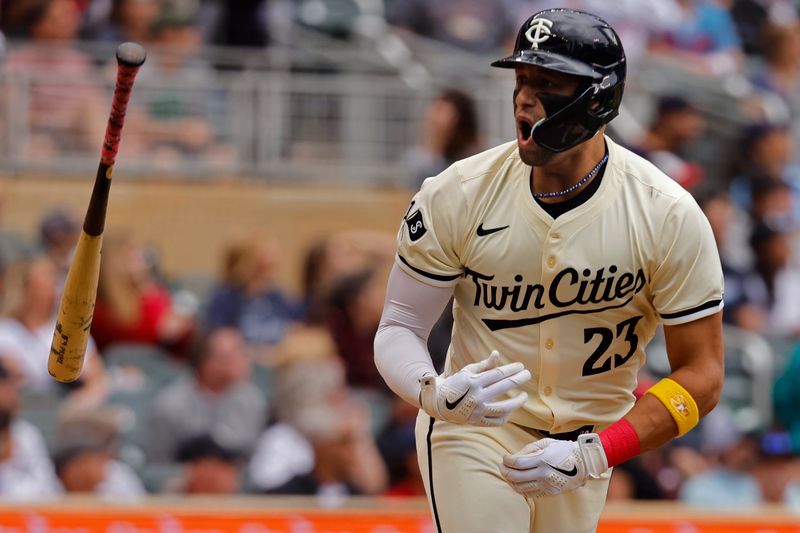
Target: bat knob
point(131, 54)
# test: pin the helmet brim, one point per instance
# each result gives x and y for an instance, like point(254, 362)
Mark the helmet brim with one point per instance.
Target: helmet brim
point(550, 61)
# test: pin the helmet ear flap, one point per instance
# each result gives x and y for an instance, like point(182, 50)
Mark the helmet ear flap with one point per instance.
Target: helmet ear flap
point(608, 105)
point(599, 106)
point(597, 101)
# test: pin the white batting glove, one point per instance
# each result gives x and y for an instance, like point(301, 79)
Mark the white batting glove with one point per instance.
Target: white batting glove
point(469, 395)
point(548, 467)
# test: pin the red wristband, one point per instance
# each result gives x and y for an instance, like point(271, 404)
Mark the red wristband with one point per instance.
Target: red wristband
point(620, 442)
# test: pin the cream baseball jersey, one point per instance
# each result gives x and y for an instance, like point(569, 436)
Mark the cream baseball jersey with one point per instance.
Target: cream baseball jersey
point(575, 299)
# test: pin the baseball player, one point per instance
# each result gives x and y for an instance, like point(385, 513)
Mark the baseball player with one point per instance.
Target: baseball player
point(563, 251)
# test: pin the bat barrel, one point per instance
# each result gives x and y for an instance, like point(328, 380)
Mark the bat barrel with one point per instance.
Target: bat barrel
point(76, 310)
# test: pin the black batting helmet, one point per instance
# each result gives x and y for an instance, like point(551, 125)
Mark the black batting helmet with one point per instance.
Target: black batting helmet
point(572, 42)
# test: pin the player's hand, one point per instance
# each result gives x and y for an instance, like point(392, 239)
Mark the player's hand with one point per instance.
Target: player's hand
point(470, 395)
point(548, 467)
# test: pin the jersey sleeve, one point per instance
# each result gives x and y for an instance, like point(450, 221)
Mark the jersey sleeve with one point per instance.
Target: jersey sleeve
point(429, 238)
point(688, 284)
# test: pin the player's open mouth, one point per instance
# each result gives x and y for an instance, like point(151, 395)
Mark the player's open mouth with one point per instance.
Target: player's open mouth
point(524, 130)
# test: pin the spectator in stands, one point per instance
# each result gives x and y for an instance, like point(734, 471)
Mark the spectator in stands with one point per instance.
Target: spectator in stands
point(730, 483)
point(451, 133)
point(58, 234)
point(337, 255)
point(705, 41)
point(479, 26)
point(248, 298)
point(65, 107)
point(782, 70)
point(754, 18)
point(208, 467)
point(132, 306)
point(773, 204)
point(217, 399)
point(26, 471)
point(308, 370)
point(127, 20)
point(677, 124)
point(337, 428)
point(313, 404)
point(85, 456)
point(184, 109)
point(356, 303)
point(778, 468)
point(765, 155)
point(775, 75)
point(26, 331)
point(773, 286)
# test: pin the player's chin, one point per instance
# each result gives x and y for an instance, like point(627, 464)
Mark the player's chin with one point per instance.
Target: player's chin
point(534, 155)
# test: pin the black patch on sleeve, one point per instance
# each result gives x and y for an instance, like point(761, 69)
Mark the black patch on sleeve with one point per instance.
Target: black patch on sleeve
point(416, 227)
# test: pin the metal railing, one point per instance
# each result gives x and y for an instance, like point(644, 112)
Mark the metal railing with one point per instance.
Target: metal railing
point(331, 111)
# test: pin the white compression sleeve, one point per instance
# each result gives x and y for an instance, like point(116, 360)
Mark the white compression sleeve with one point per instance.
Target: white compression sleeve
point(410, 311)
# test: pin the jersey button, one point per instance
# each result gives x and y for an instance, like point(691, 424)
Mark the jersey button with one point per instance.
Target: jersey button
point(547, 391)
point(551, 261)
point(549, 344)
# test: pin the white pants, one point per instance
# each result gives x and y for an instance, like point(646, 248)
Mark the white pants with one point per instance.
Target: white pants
point(460, 466)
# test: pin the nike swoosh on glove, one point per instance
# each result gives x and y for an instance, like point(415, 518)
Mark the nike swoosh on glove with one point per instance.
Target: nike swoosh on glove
point(470, 395)
point(548, 467)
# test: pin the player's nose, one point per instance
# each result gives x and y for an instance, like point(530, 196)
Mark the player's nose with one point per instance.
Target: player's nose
point(525, 98)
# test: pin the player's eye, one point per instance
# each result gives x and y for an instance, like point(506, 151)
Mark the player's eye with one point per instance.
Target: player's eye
point(546, 83)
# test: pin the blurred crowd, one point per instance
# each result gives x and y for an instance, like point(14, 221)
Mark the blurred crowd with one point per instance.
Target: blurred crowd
point(237, 384)
point(240, 387)
point(191, 110)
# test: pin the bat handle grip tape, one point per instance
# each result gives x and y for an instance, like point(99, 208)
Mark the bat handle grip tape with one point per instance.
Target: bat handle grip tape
point(119, 105)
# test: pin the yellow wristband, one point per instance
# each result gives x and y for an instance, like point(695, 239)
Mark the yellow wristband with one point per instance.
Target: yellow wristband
point(678, 402)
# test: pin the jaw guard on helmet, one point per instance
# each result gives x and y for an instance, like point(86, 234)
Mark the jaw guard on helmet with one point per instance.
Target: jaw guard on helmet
point(581, 44)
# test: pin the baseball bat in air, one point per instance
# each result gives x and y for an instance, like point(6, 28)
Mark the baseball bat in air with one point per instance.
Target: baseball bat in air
point(76, 308)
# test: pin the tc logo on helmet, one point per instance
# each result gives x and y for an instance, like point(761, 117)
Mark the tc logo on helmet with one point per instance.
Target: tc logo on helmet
point(539, 32)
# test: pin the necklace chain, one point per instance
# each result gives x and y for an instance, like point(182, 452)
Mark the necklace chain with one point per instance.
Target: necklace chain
point(574, 186)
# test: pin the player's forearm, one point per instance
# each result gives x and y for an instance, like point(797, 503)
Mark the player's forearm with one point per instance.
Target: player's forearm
point(674, 405)
point(402, 358)
point(655, 425)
